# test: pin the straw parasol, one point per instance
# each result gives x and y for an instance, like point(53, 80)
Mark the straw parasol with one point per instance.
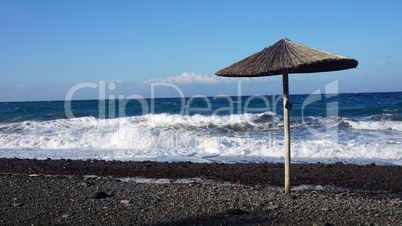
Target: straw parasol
point(286, 57)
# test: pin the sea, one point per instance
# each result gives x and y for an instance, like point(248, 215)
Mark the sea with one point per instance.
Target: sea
point(357, 128)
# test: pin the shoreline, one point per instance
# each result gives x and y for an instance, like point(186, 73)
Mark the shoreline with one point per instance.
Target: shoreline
point(361, 179)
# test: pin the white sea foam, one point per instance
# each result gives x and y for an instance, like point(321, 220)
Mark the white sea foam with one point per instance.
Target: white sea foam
point(171, 137)
point(375, 125)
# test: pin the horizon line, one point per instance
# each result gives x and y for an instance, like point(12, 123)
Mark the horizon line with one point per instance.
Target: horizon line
point(173, 97)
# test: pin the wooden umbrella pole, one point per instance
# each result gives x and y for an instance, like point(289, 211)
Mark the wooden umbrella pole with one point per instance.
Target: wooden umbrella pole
point(285, 78)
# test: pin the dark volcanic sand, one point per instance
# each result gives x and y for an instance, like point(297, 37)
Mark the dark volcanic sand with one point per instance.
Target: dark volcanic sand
point(367, 179)
point(369, 195)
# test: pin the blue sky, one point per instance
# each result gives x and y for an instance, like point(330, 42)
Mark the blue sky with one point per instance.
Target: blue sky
point(48, 47)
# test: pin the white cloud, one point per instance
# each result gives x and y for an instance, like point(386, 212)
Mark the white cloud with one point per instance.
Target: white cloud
point(116, 82)
point(268, 78)
point(187, 78)
point(297, 78)
point(21, 86)
point(199, 78)
point(107, 82)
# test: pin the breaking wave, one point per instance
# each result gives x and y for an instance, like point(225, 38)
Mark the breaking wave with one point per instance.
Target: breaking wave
point(227, 138)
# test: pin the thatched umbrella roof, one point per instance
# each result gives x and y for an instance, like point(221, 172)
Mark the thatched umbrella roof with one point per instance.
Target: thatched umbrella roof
point(289, 56)
point(286, 57)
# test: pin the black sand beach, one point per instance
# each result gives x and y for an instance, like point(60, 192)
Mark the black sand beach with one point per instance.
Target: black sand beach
point(56, 192)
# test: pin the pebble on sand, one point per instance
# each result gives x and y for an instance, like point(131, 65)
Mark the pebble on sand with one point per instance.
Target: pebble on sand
point(98, 195)
point(17, 204)
point(321, 223)
point(66, 215)
point(289, 196)
point(126, 202)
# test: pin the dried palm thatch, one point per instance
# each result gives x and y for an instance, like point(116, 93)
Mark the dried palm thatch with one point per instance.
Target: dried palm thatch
point(287, 56)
